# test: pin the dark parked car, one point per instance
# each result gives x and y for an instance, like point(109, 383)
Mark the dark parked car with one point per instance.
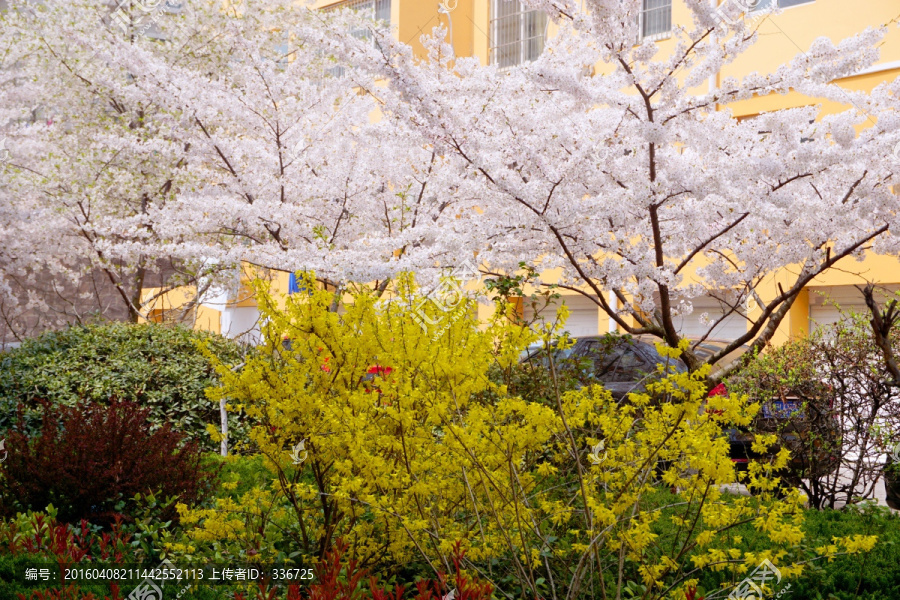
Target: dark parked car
point(892, 484)
point(621, 363)
point(803, 427)
point(624, 364)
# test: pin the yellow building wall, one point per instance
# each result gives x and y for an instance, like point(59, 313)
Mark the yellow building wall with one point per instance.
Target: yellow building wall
point(208, 319)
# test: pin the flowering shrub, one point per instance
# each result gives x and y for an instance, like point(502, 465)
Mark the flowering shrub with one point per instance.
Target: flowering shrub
point(90, 457)
point(543, 496)
point(847, 409)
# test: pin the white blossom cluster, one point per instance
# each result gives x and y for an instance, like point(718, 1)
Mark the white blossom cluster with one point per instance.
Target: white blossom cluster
point(230, 141)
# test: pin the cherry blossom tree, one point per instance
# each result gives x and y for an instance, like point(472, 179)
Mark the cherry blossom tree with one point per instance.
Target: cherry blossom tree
point(297, 171)
point(307, 140)
point(624, 167)
point(87, 158)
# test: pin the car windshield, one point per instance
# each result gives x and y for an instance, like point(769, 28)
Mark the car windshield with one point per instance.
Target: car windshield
point(619, 363)
point(539, 354)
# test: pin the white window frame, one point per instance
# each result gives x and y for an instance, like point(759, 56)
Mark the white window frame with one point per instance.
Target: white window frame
point(382, 7)
point(378, 6)
point(768, 4)
point(642, 16)
point(522, 40)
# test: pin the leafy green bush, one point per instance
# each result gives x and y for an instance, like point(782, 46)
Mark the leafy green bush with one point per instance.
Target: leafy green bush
point(158, 367)
point(846, 409)
point(869, 575)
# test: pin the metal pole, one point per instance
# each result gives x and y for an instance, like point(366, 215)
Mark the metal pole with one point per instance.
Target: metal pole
point(224, 415)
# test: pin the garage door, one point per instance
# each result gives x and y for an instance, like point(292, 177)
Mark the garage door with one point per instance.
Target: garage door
point(242, 323)
point(583, 314)
point(723, 328)
point(826, 303)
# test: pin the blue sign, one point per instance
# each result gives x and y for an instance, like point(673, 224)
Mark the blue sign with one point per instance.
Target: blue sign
point(294, 285)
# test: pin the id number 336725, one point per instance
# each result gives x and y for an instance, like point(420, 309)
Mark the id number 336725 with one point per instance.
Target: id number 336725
point(292, 574)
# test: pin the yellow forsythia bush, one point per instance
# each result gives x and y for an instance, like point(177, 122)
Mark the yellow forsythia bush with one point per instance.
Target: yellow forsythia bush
point(384, 429)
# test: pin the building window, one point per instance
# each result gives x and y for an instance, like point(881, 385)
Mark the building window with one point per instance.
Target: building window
point(382, 12)
point(656, 19)
point(381, 8)
point(517, 33)
point(767, 4)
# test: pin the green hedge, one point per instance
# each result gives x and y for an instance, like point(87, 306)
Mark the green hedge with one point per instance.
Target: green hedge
point(873, 575)
point(159, 367)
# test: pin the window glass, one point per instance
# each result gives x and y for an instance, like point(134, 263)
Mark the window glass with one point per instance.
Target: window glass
point(621, 363)
point(382, 8)
point(517, 34)
point(656, 17)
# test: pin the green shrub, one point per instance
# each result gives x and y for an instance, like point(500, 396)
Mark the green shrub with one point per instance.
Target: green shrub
point(869, 575)
point(158, 367)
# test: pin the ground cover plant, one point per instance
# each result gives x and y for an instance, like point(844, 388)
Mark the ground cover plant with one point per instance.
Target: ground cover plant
point(867, 575)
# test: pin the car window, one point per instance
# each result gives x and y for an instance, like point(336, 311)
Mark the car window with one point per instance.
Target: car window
point(601, 355)
point(630, 360)
point(539, 356)
point(622, 363)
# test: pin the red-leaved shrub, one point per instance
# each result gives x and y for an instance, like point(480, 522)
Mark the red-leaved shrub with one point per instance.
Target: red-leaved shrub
point(340, 578)
point(88, 458)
